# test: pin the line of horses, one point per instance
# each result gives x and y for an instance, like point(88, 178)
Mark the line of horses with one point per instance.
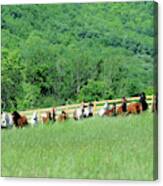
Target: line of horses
point(85, 111)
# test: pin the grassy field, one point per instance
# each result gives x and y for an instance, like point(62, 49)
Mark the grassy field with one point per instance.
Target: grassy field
point(95, 148)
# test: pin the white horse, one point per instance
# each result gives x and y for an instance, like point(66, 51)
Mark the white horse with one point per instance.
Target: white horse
point(102, 111)
point(86, 112)
point(83, 112)
point(34, 119)
point(6, 120)
point(91, 108)
point(78, 114)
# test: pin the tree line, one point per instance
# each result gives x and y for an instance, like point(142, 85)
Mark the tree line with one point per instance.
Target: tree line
point(67, 53)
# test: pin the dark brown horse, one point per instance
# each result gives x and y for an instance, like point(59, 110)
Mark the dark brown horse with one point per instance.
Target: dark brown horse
point(63, 116)
point(19, 121)
point(143, 101)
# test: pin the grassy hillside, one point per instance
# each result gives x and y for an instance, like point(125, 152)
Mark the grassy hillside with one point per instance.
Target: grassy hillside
point(65, 53)
point(96, 148)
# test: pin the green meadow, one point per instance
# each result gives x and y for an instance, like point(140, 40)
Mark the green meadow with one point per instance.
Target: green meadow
point(94, 148)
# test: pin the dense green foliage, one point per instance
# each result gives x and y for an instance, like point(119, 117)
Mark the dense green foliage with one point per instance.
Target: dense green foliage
point(97, 148)
point(64, 53)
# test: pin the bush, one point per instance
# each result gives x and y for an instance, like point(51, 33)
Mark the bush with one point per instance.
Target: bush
point(95, 90)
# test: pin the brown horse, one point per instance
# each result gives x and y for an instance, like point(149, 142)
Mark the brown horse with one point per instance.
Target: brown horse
point(46, 117)
point(119, 110)
point(63, 116)
point(134, 108)
point(19, 121)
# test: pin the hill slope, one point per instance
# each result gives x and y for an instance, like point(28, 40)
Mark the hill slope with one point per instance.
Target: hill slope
point(63, 53)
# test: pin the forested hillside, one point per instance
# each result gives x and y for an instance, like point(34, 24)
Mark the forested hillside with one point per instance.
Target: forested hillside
point(65, 53)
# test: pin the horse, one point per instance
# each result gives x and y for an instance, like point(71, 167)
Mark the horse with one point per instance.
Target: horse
point(120, 110)
point(155, 104)
point(63, 116)
point(53, 114)
point(111, 112)
point(123, 107)
point(78, 114)
point(19, 121)
point(84, 111)
point(102, 111)
point(88, 110)
point(6, 120)
point(46, 117)
point(34, 119)
point(143, 102)
point(134, 108)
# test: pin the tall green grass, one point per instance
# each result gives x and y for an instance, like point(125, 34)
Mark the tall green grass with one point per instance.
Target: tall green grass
point(95, 148)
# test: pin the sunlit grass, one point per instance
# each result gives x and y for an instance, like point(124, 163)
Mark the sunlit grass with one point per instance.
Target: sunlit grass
point(95, 148)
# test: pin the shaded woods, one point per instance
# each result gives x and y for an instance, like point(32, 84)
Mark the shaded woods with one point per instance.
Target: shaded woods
point(68, 53)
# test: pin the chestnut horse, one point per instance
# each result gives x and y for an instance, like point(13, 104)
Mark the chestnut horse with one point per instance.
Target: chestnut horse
point(134, 108)
point(119, 110)
point(19, 121)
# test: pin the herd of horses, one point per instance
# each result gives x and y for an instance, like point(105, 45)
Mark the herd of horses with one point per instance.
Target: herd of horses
point(85, 111)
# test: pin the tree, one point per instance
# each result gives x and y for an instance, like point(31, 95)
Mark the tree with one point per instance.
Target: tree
point(11, 79)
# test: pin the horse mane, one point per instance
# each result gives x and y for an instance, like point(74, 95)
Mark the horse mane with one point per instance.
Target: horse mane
point(16, 114)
